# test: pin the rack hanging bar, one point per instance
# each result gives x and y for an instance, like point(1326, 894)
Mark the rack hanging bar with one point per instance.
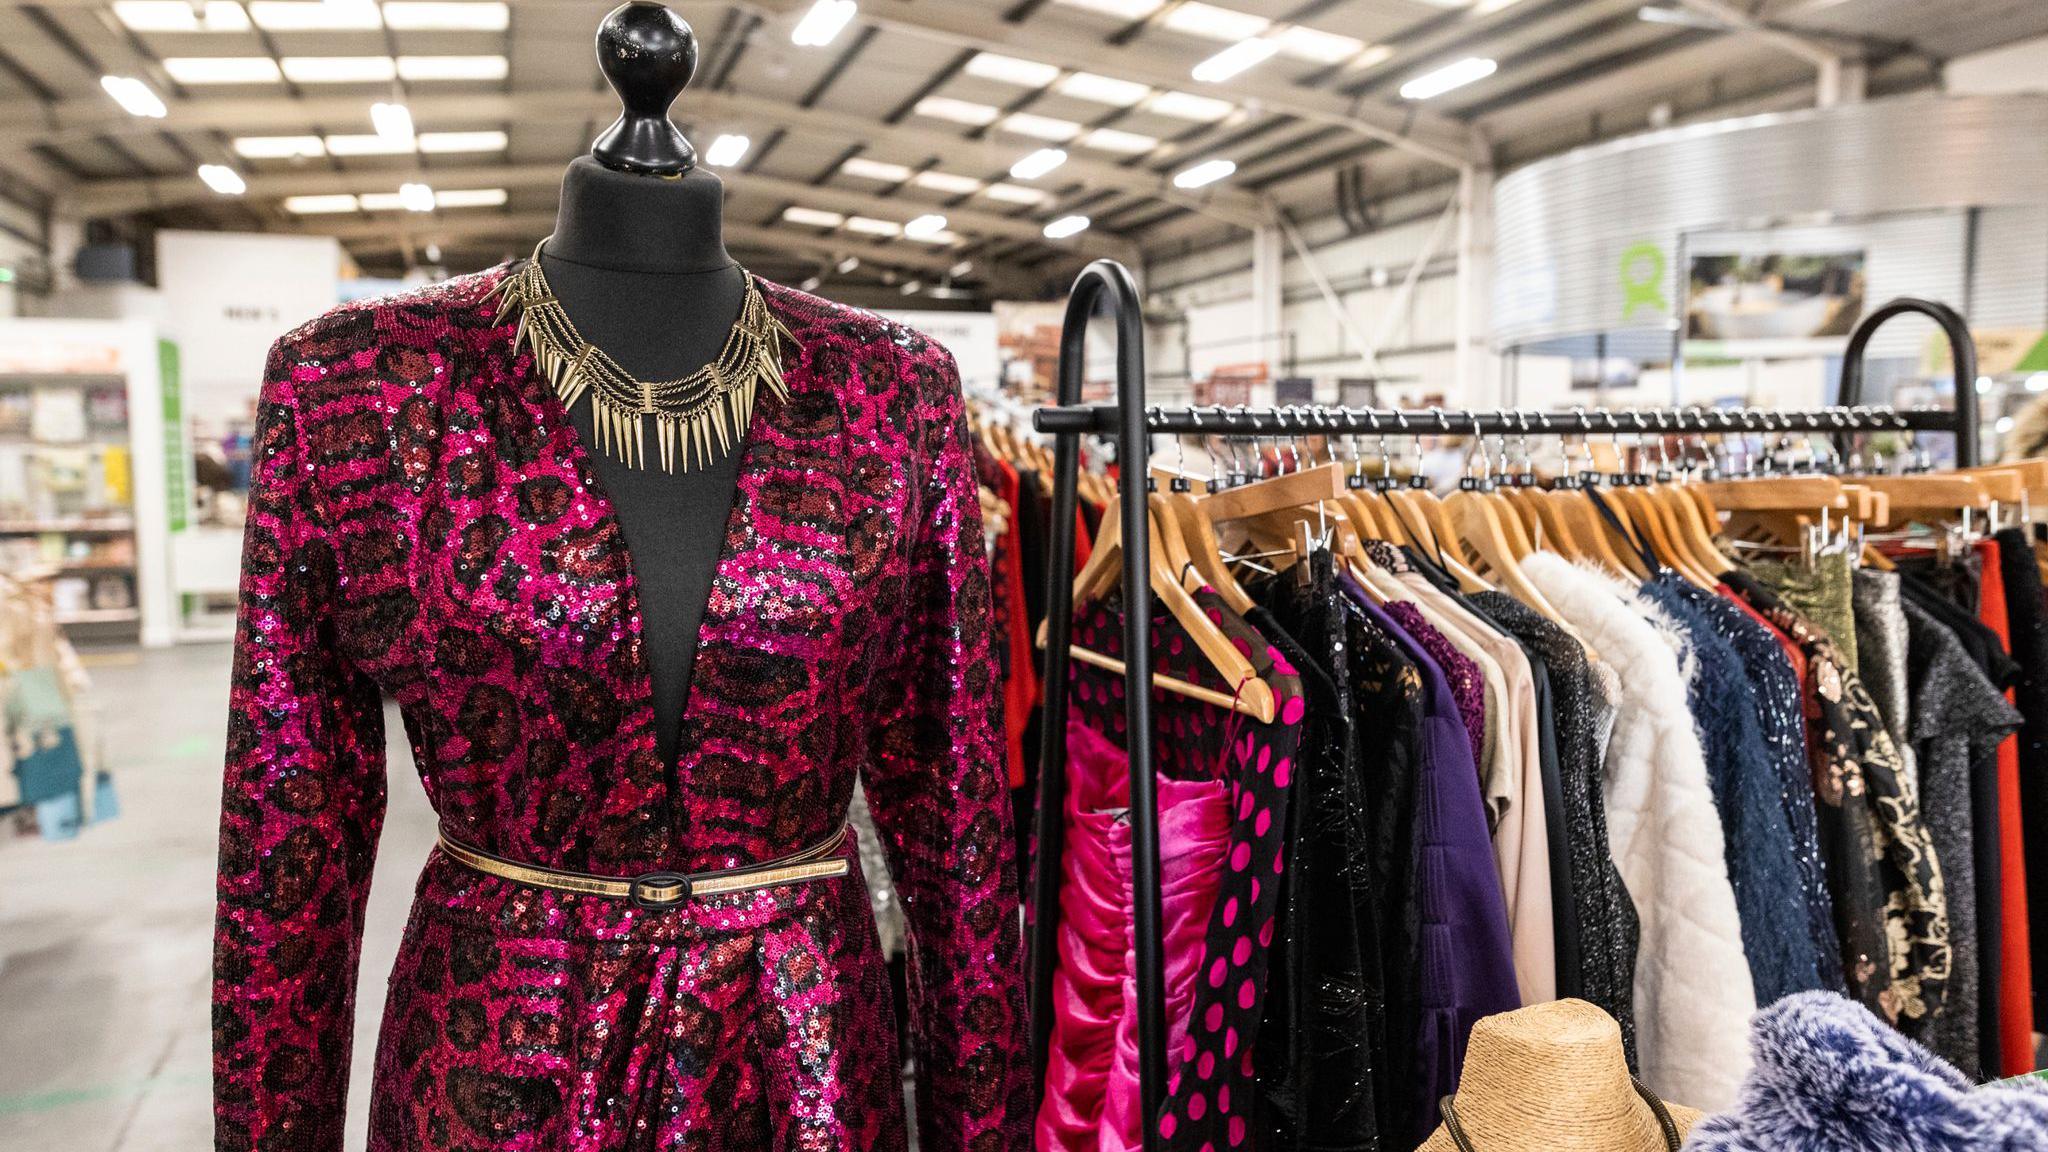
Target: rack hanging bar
point(1104, 419)
point(1962, 351)
point(1109, 283)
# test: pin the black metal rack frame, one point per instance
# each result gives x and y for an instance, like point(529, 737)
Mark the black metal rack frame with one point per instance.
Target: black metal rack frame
point(1108, 285)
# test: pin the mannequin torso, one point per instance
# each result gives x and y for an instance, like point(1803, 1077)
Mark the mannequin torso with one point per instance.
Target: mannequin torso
point(640, 265)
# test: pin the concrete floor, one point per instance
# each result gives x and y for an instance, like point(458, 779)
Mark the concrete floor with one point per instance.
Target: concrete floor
point(106, 941)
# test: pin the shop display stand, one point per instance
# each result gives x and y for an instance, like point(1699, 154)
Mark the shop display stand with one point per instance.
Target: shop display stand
point(1110, 285)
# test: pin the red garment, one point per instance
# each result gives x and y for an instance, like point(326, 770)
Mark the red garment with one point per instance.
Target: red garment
point(1792, 650)
point(1020, 678)
point(2016, 978)
point(424, 523)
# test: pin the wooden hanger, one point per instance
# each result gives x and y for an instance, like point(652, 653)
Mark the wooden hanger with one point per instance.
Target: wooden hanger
point(1254, 697)
point(1203, 547)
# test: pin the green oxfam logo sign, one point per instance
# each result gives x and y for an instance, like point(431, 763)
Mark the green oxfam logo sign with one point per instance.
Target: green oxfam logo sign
point(1642, 279)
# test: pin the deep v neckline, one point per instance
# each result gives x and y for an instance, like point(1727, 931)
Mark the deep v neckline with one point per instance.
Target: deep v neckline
point(738, 519)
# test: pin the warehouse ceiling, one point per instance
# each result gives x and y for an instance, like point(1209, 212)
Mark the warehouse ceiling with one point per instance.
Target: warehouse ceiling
point(961, 146)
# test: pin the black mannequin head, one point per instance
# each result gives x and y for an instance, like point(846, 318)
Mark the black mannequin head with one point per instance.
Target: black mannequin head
point(648, 54)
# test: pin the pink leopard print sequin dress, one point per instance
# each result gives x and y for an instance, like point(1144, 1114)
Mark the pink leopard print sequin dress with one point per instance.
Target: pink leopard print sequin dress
point(424, 523)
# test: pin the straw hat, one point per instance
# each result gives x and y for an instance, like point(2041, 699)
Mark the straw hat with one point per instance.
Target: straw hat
point(1552, 1077)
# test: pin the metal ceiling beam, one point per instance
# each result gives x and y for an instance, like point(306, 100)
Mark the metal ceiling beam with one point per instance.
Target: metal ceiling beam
point(97, 198)
point(76, 120)
point(1437, 137)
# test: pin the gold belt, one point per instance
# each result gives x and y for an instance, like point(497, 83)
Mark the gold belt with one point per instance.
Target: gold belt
point(659, 890)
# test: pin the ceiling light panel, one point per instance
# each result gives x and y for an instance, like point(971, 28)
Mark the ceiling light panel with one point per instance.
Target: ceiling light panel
point(1213, 23)
point(1038, 163)
point(1121, 9)
point(1119, 141)
point(1318, 46)
point(1205, 173)
point(435, 142)
point(1040, 127)
point(1243, 55)
point(1188, 106)
point(868, 169)
point(1016, 194)
point(958, 111)
point(278, 147)
point(179, 16)
point(440, 16)
point(926, 226)
point(1104, 89)
point(369, 145)
point(1066, 226)
point(452, 67)
point(339, 69)
point(727, 150)
point(315, 15)
point(135, 97)
point(381, 202)
point(1011, 70)
point(1448, 77)
point(939, 237)
point(470, 198)
point(223, 179)
point(869, 226)
point(222, 69)
point(948, 182)
point(319, 205)
point(812, 217)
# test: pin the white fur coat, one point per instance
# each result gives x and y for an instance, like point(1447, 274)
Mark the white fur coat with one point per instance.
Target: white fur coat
point(1693, 995)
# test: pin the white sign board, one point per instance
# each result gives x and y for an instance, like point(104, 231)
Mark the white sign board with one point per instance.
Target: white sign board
point(969, 336)
point(228, 296)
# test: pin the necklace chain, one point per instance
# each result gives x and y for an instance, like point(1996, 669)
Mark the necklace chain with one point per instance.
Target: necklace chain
point(697, 418)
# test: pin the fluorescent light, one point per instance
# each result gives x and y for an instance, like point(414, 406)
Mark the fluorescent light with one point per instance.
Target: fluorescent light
point(925, 226)
point(1118, 140)
point(941, 238)
point(810, 284)
point(1235, 59)
point(1066, 226)
point(1016, 194)
point(222, 69)
point(868, 225)
point(452, 67)
point(339, 69)
point(487, 141)
point(958, 111)
point(179, 16)
point(319, 205)
point(727, 150)
point(868, 169)
point(416, 197)
point(847, 265)
point(223, 179)
point(2038, 382)
point(1449, 76)
point(815, 217)
point(948, 182)
point(364, 144)
point(381, 202)
point(1213, 23)
point(1104, 89)
point(1207, 172)
point(960, 269)
point(1038, 164)
point(439, 16)
point(1121, 9)
point(315, 15)
point(392, 120)
point(1041, 127)
point(823, 23)
point(278, 147)
point(1011, 70)
point(1188, 106)
point(912, 287)
point(1317, 45)
point(470, 198)
point(137, 98)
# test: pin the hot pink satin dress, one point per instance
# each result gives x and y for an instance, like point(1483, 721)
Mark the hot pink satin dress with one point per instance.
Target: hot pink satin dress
point(1091, 1084)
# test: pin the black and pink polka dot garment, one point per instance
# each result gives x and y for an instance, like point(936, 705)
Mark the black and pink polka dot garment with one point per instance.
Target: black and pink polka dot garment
point(1210, 1094)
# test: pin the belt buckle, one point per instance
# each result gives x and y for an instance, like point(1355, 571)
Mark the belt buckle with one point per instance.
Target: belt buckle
point(658, 891)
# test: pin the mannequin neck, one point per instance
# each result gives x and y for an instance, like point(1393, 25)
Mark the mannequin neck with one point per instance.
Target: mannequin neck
point(623, 222)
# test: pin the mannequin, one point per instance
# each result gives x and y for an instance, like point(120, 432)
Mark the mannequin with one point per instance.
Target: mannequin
point(638, 260)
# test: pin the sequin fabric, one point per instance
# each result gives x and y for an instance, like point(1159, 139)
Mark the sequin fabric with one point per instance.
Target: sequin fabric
point(425, 523)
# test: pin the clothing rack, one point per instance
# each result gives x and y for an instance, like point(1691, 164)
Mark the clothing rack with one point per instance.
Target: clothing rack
point(1108, 286)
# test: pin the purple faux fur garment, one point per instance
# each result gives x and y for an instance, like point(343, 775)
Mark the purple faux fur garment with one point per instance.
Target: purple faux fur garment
point(1831, 1077)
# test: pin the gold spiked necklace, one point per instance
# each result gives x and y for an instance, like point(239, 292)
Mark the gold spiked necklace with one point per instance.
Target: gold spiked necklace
point(697, 418)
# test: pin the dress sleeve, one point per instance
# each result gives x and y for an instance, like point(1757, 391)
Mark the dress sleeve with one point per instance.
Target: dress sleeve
point(301, 808)
point(935, 785)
